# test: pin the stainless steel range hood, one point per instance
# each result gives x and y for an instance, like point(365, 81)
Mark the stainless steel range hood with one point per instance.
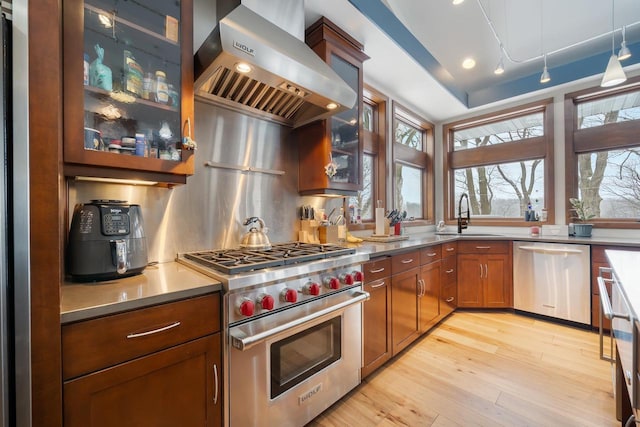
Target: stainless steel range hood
point(287, 82)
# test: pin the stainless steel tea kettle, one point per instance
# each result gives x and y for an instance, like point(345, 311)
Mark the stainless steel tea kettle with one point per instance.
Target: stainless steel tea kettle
point(255, 238)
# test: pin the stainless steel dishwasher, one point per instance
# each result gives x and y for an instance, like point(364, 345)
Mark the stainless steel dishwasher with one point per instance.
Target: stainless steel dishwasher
point(552, 279)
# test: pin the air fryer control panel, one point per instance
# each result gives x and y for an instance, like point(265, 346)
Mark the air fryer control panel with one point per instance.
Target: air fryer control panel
point(115, 220)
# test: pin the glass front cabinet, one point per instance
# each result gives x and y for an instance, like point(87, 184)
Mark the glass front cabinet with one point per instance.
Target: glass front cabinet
point(128, 89)
point(337, 141)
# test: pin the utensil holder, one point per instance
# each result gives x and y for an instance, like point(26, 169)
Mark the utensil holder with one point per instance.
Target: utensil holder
point(329, 234)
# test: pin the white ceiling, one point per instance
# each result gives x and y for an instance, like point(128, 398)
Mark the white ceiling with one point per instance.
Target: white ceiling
point(437, 87)
point(452, 32)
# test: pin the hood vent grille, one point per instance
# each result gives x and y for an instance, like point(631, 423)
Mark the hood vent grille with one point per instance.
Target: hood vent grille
point(240, 89)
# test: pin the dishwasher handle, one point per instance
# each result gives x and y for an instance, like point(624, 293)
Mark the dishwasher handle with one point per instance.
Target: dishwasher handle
point(548, 250)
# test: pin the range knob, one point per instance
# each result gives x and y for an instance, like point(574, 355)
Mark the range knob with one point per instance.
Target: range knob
point(358, 276)
point(289, 295)
point(346, 278)
point(311, 288)
point(266, 302)
point(246, 307)
point(331, 282)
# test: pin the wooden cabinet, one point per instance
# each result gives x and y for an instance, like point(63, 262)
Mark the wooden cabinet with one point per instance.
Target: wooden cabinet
point(448, 279)
point(484, 274)
point(338, 139)
point(155, 366)
point(429, 295)
point(404, 299)
point(376, 315)
point(136, 82)
point(599, 259)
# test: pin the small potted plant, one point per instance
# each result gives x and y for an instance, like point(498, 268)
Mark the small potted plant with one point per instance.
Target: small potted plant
point(582, 214)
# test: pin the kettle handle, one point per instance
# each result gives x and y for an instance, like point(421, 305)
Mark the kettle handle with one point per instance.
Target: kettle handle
point(253, 219)
point(119, 249)
point(250, 220)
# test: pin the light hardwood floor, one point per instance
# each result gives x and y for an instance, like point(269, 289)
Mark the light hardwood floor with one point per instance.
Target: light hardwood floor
point(486, 369)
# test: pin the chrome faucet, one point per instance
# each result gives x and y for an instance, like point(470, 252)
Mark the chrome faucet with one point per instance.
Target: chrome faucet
point(463, 222)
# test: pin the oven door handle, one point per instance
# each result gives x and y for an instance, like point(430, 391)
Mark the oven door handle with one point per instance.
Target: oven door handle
point(243, 343)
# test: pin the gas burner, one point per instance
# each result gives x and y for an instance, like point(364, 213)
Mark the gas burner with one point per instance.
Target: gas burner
point(234, 261)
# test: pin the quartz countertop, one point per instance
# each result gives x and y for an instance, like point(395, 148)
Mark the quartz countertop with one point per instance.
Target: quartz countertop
point(375, 249)
point(626, 266)
point(157, 284)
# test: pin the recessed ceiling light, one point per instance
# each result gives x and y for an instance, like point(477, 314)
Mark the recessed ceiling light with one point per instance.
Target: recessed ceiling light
point(468, 63)
point(457, 1)
point(332, 106)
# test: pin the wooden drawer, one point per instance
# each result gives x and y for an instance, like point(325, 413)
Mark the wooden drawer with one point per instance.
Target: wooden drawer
point(483, 247)
point(430, 254)
point(99, 343)
point(376, 269)
point(449, 249)
point(404, 262)
point(449, 270)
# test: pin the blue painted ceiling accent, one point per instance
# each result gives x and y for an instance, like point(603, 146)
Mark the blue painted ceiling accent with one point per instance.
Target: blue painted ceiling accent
point(388, 23)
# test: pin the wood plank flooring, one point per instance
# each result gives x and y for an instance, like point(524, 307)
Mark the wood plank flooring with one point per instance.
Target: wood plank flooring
point(486, 369)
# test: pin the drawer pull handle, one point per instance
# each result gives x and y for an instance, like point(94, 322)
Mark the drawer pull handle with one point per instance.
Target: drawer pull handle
point(154, 331)
point(407, 261)
point(379, 285)
point(449, 249)
point(450, 299)
point(432, 254)
point(377, 270)
point(449, 271)
point(483, 247)
point(215, 385)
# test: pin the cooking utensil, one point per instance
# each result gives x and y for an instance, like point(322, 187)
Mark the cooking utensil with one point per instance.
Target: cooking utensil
point(255, 238)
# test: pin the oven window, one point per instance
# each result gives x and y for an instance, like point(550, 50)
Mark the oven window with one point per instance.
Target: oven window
point(296, 358)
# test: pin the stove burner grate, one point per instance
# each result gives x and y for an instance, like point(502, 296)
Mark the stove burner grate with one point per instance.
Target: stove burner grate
point(233, 261)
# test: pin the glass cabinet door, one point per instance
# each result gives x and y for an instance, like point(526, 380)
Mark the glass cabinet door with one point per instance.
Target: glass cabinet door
point(345, 126)
point(132, 78)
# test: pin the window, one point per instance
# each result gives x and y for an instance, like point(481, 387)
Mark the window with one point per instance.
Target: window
point(373, 158)
point(603, 154)
point(503, 162)
point(412, 164)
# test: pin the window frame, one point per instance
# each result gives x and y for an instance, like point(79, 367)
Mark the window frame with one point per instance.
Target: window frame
point(607, 137)
point(423, 160)
point(540, 147)
point(374, 144)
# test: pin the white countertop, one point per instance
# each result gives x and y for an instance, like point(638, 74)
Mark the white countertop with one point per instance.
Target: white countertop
point(158, 283)
point(626, 266)
point(375, 249)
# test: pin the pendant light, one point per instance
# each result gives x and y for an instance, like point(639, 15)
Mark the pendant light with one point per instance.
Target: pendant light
point(614, 74)
point(624, 52)
point(545, 77)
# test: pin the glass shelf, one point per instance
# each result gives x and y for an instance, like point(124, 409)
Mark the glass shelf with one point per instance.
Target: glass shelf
point(132, 89)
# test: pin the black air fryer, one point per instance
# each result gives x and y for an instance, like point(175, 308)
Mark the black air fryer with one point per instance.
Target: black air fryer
point(106, 241)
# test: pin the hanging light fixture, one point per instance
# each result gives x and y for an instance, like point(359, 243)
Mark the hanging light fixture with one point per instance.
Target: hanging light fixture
point(614, 74)
point(624, 52)
point(545, 76)
point(500, 67)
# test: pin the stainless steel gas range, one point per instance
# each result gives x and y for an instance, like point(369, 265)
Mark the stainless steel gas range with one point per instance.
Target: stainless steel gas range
point(292, 322)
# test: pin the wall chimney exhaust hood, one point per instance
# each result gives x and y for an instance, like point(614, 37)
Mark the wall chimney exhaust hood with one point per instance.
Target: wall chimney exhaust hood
point(250, 64)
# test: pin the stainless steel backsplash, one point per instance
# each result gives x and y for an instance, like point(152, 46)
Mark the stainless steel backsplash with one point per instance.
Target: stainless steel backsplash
point(209, 210)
